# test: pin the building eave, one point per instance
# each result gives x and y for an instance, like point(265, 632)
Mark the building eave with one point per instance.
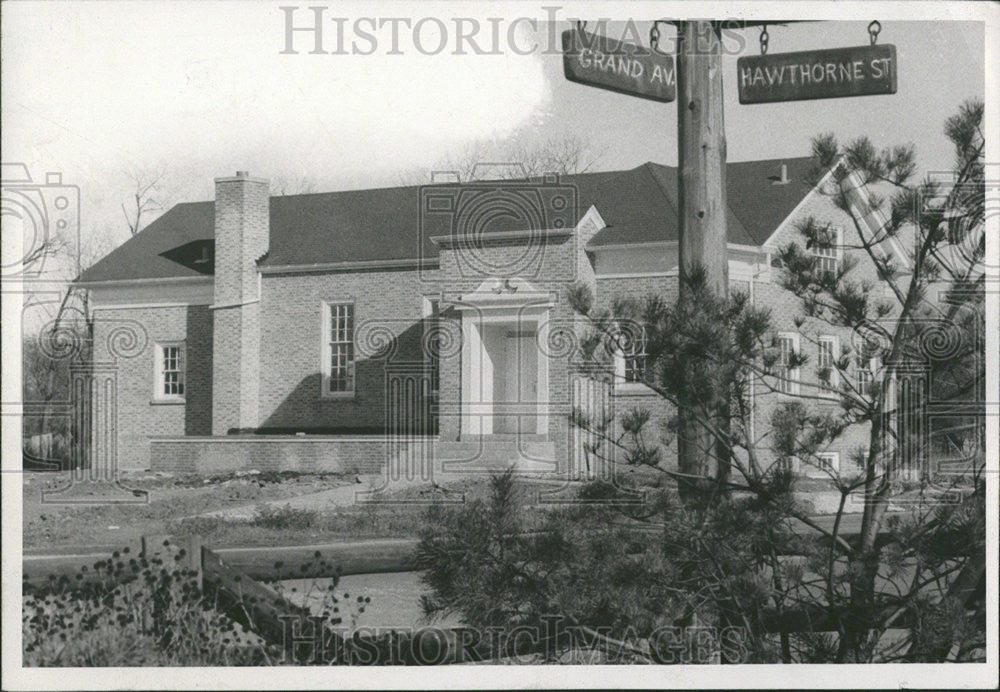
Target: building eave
point(350, 266)
point(449, 240)
point(113, 283)
point(665, 244)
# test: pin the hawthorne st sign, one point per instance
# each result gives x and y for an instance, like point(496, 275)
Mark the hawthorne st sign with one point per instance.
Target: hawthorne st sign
point(626, 68)
point(817, 74)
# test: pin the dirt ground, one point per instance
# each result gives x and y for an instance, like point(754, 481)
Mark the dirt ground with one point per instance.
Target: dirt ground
point(52, 522)
point(247, 508)
point(231, 510)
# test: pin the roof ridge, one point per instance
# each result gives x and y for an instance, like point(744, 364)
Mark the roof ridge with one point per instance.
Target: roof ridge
point(414, 186)
point(648, 167)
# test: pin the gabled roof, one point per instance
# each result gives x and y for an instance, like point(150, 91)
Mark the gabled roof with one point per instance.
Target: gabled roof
point(639, 205)
point(157, 252)
point(757, 202)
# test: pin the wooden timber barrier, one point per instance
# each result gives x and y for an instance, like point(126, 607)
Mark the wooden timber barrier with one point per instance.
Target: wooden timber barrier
point(272, 563)
point(230, 577)
point(375, 556)
point(228, 585)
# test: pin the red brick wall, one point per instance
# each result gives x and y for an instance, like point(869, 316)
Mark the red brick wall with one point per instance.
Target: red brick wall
point(242, 234)
point(291, 333)
point(264, 453)
point(290, 324)
point(139, 417)
point(633, 396)
point(787, 315)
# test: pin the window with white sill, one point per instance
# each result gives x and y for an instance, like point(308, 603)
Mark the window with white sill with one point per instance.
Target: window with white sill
point(635, 356)
point(827, 252)
point(169, 371)
point(826, 361)
point(338, 329)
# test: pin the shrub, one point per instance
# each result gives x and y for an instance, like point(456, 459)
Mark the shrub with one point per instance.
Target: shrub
point(159, 618)
point(284, 517)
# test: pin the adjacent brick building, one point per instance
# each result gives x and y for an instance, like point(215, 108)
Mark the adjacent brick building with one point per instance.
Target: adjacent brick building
point(350, 330)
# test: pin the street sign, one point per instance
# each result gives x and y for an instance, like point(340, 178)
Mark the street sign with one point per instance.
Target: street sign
point(817, 74)
point(626, 68)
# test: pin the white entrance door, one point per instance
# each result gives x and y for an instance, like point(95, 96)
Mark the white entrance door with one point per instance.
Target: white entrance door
point(516, 383)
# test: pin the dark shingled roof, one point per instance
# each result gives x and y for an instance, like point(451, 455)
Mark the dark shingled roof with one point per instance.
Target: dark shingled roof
point(635, 213)
point(638, 205)
point(152, 253)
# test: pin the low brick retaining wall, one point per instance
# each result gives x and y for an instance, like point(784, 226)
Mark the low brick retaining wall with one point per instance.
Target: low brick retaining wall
point(330, 454)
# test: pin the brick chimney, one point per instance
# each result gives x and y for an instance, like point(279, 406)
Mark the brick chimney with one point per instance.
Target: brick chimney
point(242, 232)
point(782, 177)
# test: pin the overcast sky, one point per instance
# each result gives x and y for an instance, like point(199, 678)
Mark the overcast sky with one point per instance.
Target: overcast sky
point(94, 89)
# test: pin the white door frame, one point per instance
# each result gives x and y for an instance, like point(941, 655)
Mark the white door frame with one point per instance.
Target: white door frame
point(512, 303)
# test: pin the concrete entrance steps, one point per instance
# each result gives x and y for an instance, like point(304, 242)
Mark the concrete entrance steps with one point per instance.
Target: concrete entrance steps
point(490, 453)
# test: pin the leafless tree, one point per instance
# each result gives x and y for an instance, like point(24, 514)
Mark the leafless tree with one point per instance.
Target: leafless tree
point(146, 197)
point(289, 185)
point(66, 323)
point(514, 158)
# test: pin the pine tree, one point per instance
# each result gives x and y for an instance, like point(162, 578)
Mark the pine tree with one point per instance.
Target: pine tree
point(724, 560)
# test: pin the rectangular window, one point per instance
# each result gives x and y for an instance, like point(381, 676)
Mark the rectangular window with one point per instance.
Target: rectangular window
point(864, 378)
point(634, 354)
point(340, 345)
point(169, 372)
point(864, 374)
point(824, 464)
point(826, 360)
point(788, 376)
point(788, 464)
point(827, 252)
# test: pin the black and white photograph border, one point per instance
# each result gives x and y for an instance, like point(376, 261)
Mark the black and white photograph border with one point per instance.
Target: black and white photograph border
point(475, 345)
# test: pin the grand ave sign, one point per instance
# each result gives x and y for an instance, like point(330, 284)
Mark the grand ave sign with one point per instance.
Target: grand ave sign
point(619, 66)
point(817, 74)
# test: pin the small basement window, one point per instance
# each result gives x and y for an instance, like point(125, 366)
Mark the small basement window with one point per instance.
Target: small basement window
point(824, 464)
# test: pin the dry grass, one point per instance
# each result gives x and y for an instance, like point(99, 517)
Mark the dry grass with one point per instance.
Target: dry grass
point(170, 498)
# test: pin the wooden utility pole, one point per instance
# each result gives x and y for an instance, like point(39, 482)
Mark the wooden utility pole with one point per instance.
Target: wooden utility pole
point(701, 150)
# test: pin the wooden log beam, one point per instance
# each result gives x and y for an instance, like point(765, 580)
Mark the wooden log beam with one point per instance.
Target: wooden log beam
point(375, 556)
point(296, 562)
point(280, 622)
point(256, 606)
point(324, 560)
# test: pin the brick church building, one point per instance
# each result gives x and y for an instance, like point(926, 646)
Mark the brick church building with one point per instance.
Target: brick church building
point(328, 331)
